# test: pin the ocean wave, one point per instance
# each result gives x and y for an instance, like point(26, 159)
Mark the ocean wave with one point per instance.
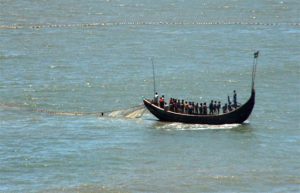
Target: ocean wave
point(85, 188)
point(11, 55)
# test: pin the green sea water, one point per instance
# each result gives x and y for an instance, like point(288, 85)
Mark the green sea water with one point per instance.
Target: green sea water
point(62, 63)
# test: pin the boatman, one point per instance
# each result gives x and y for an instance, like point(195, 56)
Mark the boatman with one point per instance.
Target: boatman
point(218, 107)
point(234, 99)
point(211, 107)
point(225, 108)
point(201, 109)
point(162, 101)
point(204, 109)
point(156, 99)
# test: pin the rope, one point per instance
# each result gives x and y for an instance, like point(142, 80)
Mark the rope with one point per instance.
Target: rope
point(85, 25)
point(76, 113)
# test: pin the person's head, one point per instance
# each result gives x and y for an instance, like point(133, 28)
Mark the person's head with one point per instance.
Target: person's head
point(234, 91)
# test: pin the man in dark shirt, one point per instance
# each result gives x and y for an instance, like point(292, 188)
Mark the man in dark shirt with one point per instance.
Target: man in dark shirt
point(211, 107)
point(234, 99)
point(205, 109)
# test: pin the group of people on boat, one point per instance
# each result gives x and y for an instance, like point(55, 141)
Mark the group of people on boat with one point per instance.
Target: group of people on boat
point(187, 107)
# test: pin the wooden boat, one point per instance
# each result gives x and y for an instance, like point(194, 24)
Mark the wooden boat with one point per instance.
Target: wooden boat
point(238, 115)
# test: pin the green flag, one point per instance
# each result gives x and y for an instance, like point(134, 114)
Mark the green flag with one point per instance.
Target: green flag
point(256, 54)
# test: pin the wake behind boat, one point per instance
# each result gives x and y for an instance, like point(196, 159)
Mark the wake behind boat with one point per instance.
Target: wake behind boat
point(237, 114)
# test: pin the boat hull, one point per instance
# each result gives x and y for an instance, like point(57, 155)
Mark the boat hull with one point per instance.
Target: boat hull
point(238, 115)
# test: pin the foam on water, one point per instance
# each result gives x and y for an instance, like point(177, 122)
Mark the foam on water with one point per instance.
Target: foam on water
point(184, 126)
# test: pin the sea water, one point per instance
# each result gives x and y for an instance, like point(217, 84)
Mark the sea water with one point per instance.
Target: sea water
point(63, 63)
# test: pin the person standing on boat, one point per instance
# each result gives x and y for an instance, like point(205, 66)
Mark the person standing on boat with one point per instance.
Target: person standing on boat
point(218, 107)
point(215, 107)
point(186, 107)
point(178, 106)
point(201, 109)
point(182, 106)
point(228, 99)
point(190, 107)
point(234, 99)
point(204, 109)
point(166, 106)
point(162, 102)
point(229, 107)
point(211, 107)
point(156, 99)
point(196, 109)
point(171, 105)
point(229, 104)
point(193, 107)
point(175, 105)
point(225, 108)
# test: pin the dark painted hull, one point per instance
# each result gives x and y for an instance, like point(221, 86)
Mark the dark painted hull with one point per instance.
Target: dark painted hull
point(238, 115)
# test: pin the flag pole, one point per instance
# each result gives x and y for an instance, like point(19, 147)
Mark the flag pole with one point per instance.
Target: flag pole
point(254, 67)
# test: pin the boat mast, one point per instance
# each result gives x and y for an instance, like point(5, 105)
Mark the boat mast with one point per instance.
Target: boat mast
point(254, 67)
point(153, 71)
